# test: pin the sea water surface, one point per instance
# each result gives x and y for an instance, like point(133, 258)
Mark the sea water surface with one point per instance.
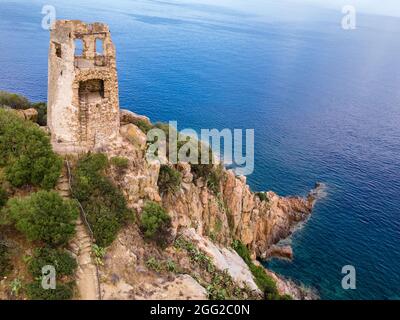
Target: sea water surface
point(324, 103)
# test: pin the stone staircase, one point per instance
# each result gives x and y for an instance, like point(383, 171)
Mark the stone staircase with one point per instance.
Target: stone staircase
point(81, 247)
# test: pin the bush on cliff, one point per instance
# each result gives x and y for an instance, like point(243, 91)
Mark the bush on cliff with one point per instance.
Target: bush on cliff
point(35, 291)
point(41, 108)
point(16, 101)
point(264, 282)
point(169, 179)
point(242, 251)
point(262, 196)
point(156, 223)
point(64, 263)
point(211, 173)
point(26, 153)
point(144, 126)
point(120, 162)
point(44, 216)
point(102, 201)
point(13, 100)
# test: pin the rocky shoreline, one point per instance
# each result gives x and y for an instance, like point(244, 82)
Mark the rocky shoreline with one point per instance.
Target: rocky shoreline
point(235, 212)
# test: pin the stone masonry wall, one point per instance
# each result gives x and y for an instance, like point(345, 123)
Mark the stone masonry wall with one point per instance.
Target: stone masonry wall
point(80, 123)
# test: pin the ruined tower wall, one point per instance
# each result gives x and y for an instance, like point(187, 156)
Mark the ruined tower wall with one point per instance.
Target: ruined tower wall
point(83, 104)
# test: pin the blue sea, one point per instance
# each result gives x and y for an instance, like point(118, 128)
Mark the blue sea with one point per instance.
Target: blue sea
point(324, 104)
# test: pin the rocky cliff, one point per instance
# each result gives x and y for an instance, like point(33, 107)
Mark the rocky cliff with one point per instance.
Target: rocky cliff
point(213, 218)
point(234, 212)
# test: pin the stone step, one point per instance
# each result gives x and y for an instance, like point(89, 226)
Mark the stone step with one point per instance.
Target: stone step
point(84, 259)
point(86, 275)
point(62, 185)
point(85, 238)
point(86, 248)
point(74, 248)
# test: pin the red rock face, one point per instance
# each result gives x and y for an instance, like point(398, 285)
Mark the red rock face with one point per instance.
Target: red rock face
point(234, 213)
point(260, 224)
point(237, 213)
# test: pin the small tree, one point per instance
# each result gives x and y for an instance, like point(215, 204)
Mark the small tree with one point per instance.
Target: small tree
point(44, 216)
point(156, 223)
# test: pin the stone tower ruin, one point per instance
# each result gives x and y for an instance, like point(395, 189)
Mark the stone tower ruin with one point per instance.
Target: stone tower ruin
point(83, 104)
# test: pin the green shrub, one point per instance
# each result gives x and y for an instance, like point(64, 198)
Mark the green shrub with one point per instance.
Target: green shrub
point(35, 291)
point(26, 153)
point(64, 263)
point(120, 162)
point(162, 265)
point(104, 221)
point(154, 264)
point(15, 287)
point(102, 201)
point(5, 263)
point(88, 175)
point(13, 100)
point(214, 179)
point(144, 126)
point(210, 172)
point(156, 223)
point(264, 282)
point(195, 254)
point(201, 170)
point(3, 197)
point(93, 164)
point(44, 216)
point(169, 179)
point(164, 127)
point(262, 196)
point(242, 251)
point(98, 253)
point(219, 285)
point(41, 108)
point(171, 266)
point(212, 175)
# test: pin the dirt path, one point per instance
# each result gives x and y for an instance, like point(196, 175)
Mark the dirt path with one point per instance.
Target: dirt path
point(81, 247)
